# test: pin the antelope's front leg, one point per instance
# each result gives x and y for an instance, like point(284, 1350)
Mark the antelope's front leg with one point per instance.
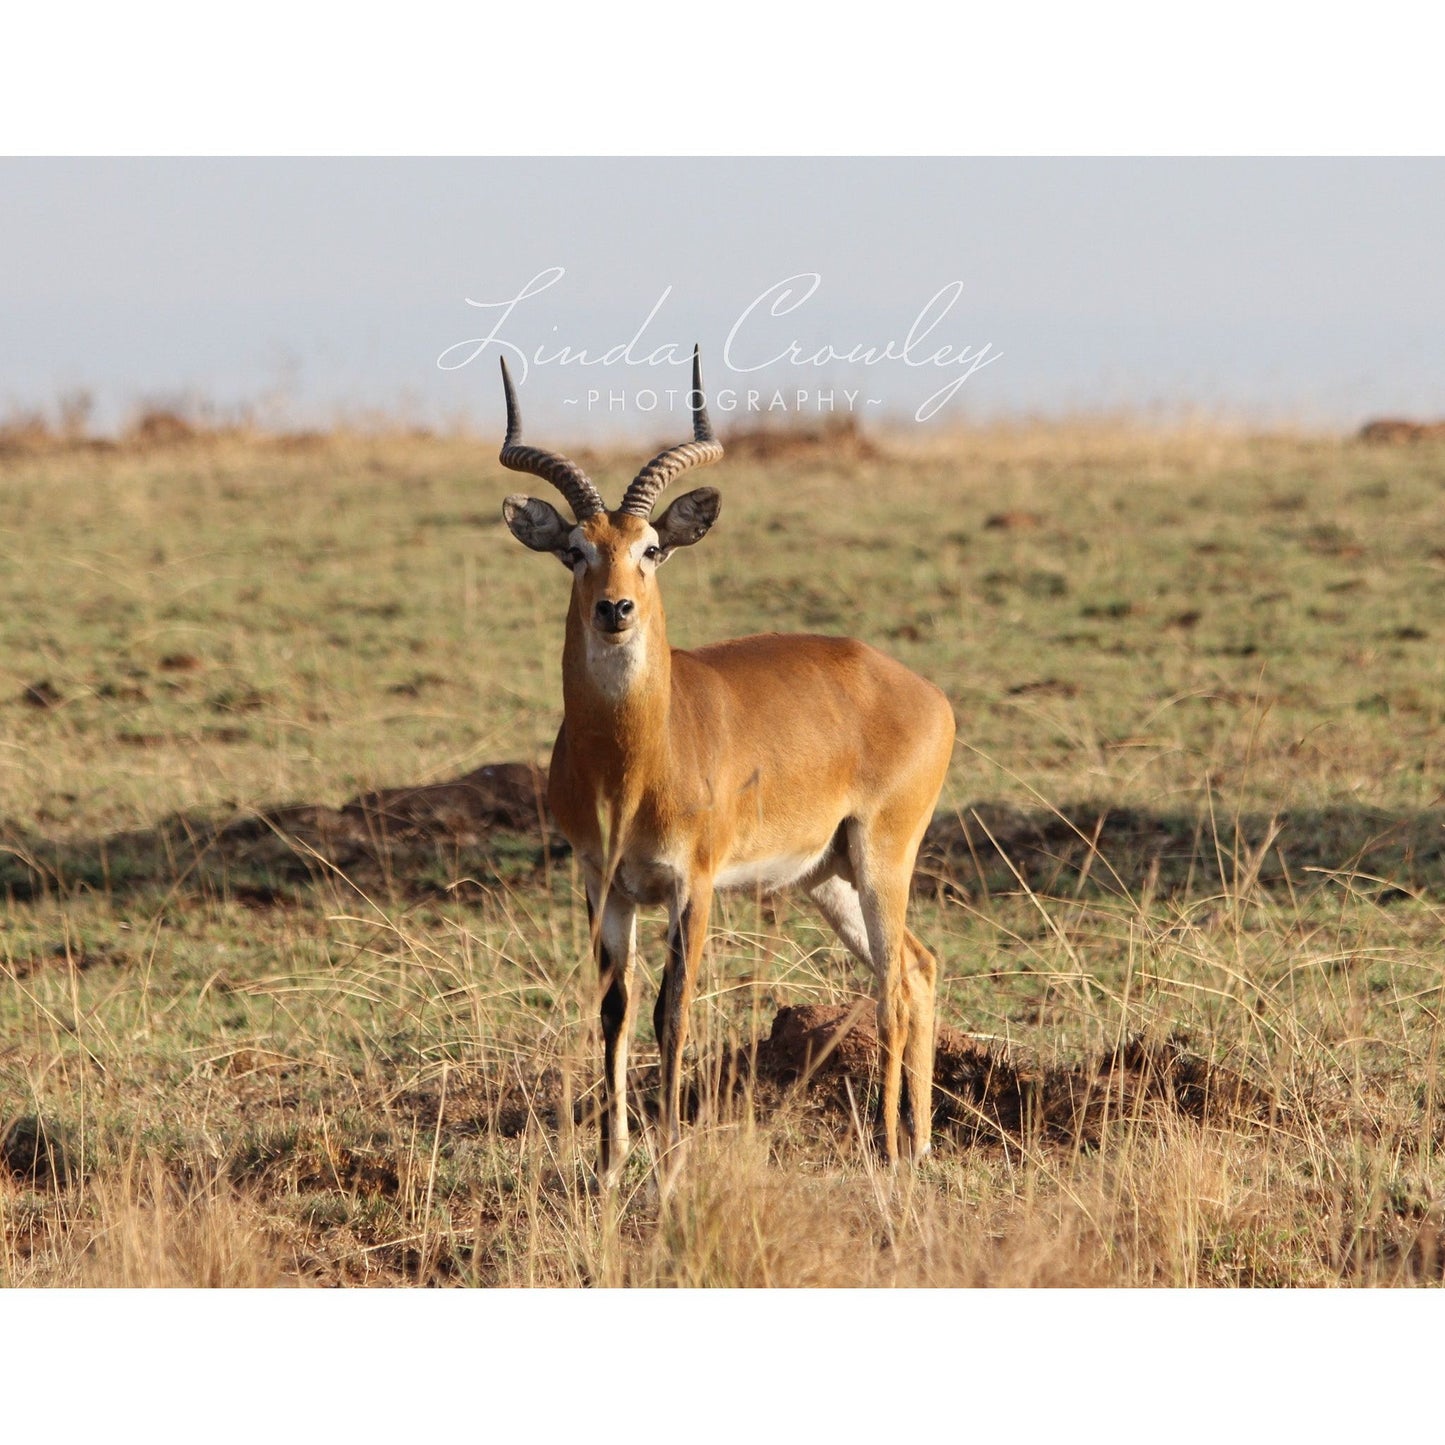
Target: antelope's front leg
point(685, 938)
point(613, 923)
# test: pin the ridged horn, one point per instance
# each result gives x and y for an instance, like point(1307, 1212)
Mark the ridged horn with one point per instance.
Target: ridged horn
point(567, 477)
point(704, 448)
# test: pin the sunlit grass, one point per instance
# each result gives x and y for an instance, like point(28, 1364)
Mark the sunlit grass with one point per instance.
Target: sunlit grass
point(325, 1078)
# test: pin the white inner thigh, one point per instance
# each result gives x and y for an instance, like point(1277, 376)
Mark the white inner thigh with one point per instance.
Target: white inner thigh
point(839, 903)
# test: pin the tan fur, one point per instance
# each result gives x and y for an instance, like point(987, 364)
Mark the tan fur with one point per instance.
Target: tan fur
point(815, 760)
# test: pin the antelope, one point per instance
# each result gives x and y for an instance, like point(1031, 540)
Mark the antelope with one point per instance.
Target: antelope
point(761, 762)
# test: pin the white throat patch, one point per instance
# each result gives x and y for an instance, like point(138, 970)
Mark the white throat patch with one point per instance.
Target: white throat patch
point(614, 667)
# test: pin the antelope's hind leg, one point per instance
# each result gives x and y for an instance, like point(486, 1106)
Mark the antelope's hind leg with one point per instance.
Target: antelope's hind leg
point(920, 981)
point(841, 905)
point(612, 921)
point(882, 853)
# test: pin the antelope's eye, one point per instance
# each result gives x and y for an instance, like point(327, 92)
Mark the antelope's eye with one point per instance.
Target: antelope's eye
point(574, 557)
point(653, 553)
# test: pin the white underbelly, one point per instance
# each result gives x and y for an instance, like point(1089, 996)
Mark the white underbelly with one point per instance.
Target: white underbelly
point(769, 874)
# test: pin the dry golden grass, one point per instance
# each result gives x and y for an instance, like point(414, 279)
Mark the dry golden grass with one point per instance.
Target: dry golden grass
point(1196, 795)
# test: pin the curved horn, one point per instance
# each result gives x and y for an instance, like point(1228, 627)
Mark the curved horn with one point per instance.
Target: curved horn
point(567, 477)
point(704, 448)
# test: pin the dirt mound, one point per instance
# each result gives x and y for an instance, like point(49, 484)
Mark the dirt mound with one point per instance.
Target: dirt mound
point(23, 436)
point(1403, 1244)
point(985, 1095)
point(66, 954)
point(1393, 430)
point(807, 1040)
point(1013, 522)
point(160, 427)
point(34, 1151)
point(497, 795)
point(482, 830)
point(826, 1058)
point(836, 438)
point(308, 1160)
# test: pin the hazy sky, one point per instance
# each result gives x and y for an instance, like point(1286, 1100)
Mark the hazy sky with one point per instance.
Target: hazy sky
point(1294, 290)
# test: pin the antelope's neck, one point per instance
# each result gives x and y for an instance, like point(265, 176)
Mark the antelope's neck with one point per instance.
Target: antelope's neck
point(616, 697)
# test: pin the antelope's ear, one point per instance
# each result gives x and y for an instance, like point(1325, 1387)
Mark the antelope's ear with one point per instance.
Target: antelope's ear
point(535, 524)
point(688, 519)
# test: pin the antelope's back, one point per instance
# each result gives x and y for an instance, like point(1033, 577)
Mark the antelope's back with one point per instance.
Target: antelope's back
point(826, 715)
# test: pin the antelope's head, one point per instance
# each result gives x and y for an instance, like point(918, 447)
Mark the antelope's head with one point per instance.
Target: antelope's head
point(613, 555)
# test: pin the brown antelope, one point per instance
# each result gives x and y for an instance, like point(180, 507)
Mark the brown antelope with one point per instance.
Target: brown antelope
point(760, 762)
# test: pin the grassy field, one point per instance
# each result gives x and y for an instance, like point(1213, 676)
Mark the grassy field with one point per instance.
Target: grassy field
point(259, 1025)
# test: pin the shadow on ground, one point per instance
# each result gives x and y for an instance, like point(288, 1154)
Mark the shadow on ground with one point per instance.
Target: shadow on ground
point(490, 828)
point(1096, 848)
point(459, 838)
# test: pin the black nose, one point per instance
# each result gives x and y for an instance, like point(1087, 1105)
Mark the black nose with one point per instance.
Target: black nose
point(614, 616)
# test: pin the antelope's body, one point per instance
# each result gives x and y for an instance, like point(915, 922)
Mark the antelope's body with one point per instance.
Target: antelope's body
point(765, 761)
